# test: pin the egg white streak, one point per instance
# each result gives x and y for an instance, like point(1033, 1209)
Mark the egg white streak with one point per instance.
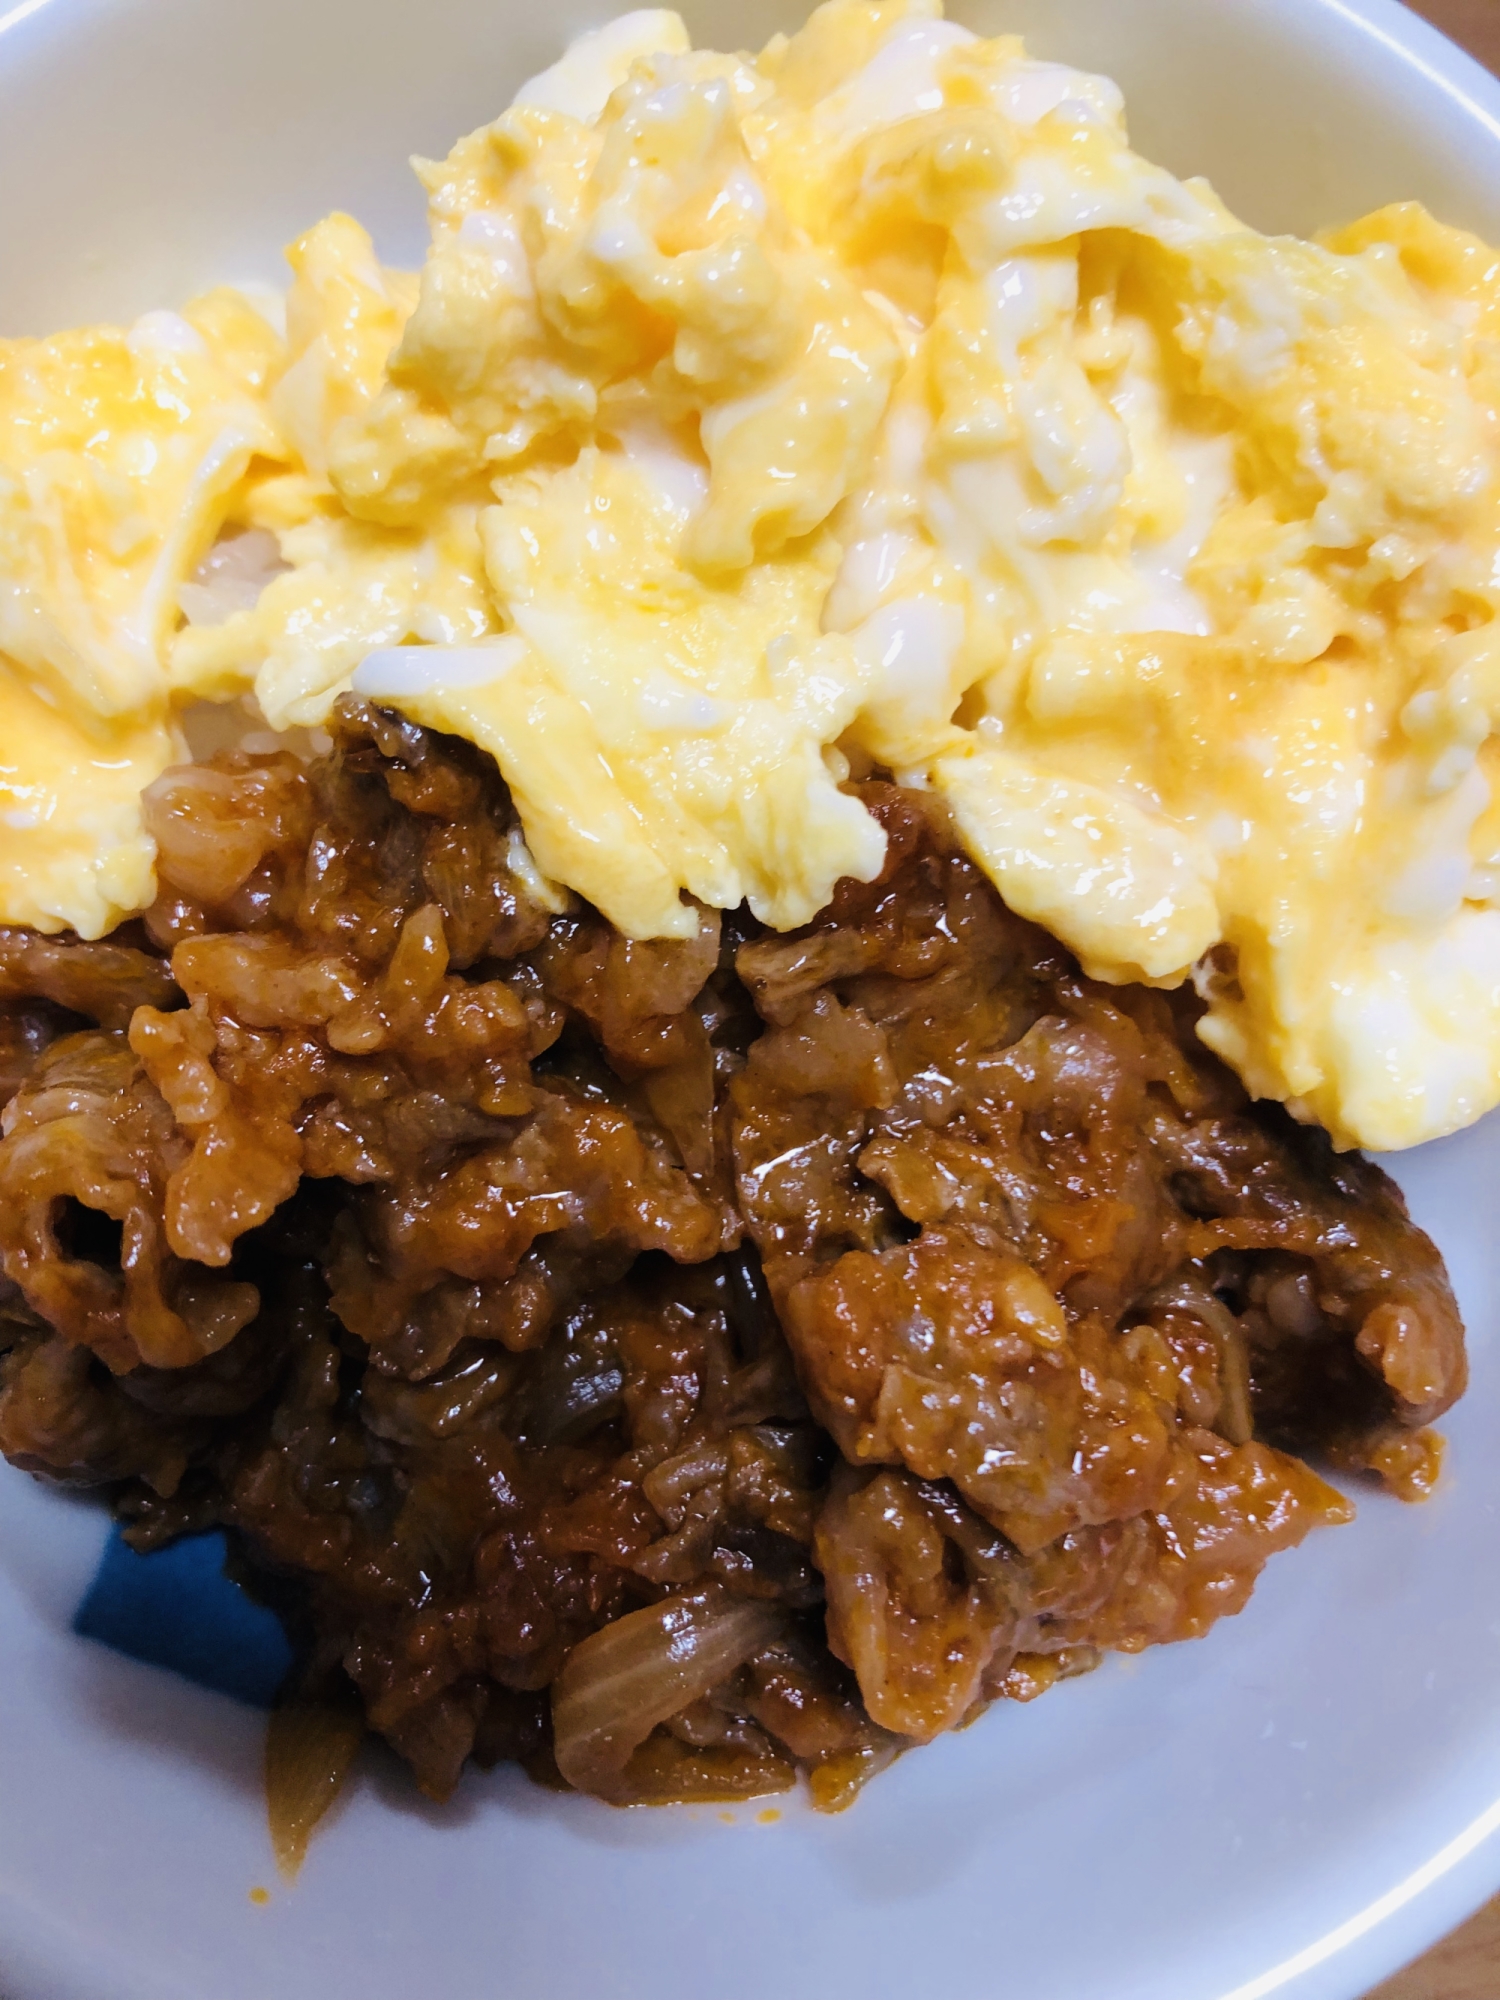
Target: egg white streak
point(497, 235)
point(390, 672)
point(599, 61)
point(901, 80)
point(159, 333)
point(221, 467)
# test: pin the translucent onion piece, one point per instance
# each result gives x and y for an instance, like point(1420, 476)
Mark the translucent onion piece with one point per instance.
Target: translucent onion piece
point(231, 577)
point(620, 1682)
point(309, 1751)
point(836, 1781)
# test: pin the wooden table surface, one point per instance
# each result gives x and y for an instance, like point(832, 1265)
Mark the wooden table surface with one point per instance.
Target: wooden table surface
point(1465, 1966)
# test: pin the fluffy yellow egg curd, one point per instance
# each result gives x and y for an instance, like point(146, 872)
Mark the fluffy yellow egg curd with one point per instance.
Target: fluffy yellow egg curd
point(757, 421)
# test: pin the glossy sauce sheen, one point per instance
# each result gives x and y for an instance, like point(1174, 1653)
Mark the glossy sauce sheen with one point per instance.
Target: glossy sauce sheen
point(670, 1364)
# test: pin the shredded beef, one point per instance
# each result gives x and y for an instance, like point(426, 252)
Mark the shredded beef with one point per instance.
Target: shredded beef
point(672, 1365)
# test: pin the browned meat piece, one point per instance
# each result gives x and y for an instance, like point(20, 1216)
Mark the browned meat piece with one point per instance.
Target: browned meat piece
point(1021, 1227)
point(361, 1205)
point(938, 1614)
point(53, 986)
point(86, 1170)
point(463, 1534)
point(316, 1046)
point(62, 1414)
point(102, 982)
point(1029, 1241)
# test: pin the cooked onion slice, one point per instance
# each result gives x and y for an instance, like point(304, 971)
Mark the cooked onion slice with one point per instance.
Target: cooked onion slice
point(309, 1750)
point(620, 1682)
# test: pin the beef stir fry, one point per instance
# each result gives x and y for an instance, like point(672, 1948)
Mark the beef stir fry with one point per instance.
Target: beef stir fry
point(674, 1366)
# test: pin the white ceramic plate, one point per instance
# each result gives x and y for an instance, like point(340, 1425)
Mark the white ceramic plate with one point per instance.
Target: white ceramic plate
point(1294, 1806)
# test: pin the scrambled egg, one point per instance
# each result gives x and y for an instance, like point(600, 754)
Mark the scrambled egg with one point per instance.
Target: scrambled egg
point(759, 421)
point(117, 453)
